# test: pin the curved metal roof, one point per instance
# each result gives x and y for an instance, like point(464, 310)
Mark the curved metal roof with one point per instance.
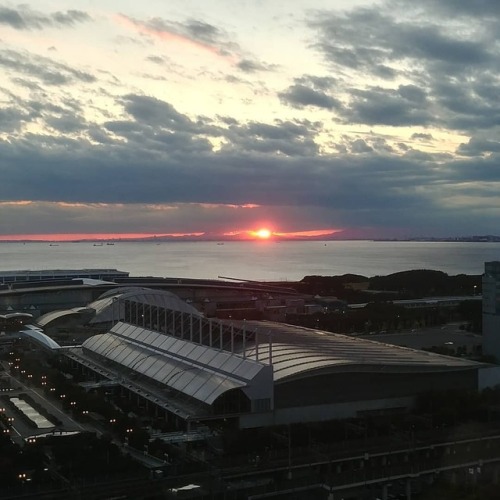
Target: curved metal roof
point(36, 334)
point(160, 298)
point(201, 372)
point(296, 352)
point(15, 315)
point(45, 319)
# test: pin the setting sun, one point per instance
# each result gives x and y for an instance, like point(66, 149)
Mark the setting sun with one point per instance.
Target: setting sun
point(263, 234)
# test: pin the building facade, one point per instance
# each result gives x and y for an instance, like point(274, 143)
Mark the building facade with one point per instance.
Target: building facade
point(491, 309)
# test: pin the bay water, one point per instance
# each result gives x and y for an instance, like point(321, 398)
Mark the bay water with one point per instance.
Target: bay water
point(252, 260)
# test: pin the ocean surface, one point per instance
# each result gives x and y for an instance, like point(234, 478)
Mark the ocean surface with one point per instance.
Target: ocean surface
point(259, 260)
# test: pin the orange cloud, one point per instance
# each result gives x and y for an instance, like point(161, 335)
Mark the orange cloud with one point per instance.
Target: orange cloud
point(265, 233)
point(309, 234)
point(15, 203)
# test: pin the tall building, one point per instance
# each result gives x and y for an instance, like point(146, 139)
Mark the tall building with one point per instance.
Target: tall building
point(491, 309)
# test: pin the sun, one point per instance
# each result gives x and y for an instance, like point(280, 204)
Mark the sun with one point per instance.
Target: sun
point(263, 234)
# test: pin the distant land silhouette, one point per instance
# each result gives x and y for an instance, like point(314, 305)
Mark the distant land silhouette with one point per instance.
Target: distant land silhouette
point(207, 237)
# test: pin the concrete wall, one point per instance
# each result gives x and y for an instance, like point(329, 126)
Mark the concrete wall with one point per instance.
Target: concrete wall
point(320, 413)
point(366, 386)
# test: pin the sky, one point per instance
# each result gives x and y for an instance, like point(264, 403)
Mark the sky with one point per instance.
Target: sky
point(308, 117)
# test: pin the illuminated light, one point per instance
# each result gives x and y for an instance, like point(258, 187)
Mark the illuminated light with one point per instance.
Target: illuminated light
point(263, 233)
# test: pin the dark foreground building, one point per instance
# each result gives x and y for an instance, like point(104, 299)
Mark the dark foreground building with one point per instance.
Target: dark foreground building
point(253, 373)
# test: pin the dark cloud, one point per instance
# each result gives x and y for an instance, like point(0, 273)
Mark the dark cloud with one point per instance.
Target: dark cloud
point(202, 31)
point(451, 63)
point(282, 138)
point(23, 18)
point(378, 106)
point(167, 158)
point(360, 146)
point(479, 146)
point(156, 59)
point(66, 123)
point(47, 71)
point(301, 96)
point(418, 136)
point(252, 66)
point(454, 8)
point(153, 111)
point(13, 119)
point(169, 161)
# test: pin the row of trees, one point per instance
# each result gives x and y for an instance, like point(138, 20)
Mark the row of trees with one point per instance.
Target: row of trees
point(403, 285)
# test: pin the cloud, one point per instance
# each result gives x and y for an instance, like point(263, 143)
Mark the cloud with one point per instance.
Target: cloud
point(418, 136)
point(252, 66)
point(44, 69)
point(456, 8)
point(449, 64)
point(23, 18)
point(479, 146)
point(192, 33)
point(396, 107)
point(156, 59)
point(300, 96)
point(159, 156)
point(369, 140)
